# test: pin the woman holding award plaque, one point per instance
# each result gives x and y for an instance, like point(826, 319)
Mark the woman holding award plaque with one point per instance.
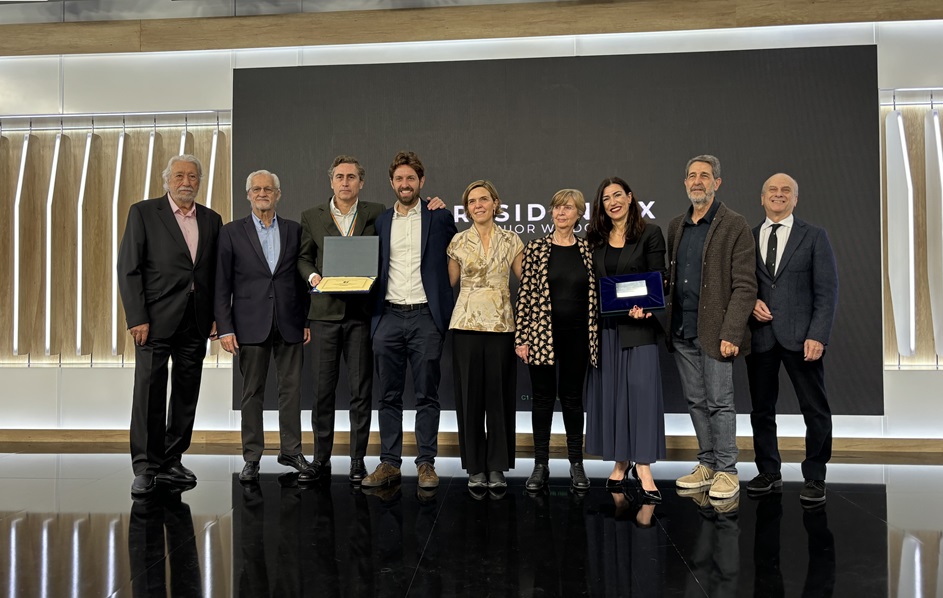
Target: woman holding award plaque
point(482, 257)
point(625, 410)
point(557, 334)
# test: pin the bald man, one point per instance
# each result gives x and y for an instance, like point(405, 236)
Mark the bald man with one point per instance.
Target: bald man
point(797, 295)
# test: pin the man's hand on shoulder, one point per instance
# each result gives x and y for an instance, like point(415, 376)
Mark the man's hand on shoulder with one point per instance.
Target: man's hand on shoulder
point(435, 203)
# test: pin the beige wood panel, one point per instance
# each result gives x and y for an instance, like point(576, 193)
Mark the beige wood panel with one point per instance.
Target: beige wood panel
point(96, 273)
point(64, 235)
point(446, 23)
point(925, 353)
point(132, 189)
point(32, 245)
point(11, 145)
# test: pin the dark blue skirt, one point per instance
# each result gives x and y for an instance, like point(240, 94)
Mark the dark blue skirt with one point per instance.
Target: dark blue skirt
point(625, 409)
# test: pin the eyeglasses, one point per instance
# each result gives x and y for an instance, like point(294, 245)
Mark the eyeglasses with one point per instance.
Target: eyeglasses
point(257, 190)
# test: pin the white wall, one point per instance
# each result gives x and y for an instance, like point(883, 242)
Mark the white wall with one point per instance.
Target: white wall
point(100, 397)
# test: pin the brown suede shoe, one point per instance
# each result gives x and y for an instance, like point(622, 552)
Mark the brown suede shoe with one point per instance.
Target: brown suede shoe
point(384, 475)
point(427, 476)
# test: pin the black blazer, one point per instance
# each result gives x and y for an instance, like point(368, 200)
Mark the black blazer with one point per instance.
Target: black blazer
point(438, 228)
point(803, 296)
point(645, 255)
point(156, 273)
point(317, 223)
point(249, 297)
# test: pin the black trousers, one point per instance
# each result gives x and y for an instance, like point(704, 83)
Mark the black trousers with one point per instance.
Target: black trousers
point(349, 338)
point(409, 337)
point(254, 365)
point(161, 431)
point(571, 355)
point(485, 376)
point(808, 378)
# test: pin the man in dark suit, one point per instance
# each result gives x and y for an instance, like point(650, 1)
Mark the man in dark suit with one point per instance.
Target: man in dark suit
point(260, 312)
point(339, 323)
point(166, 273)
point(791, 324)
point(413, 307)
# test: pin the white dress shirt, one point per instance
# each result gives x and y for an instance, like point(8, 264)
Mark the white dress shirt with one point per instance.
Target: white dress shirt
point(782, 235)
point(405, 283)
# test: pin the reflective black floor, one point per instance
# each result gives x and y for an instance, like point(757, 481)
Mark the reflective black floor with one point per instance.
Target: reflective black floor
point(69, 528)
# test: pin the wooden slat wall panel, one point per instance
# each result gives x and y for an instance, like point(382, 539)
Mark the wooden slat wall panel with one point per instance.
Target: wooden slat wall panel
point(32, 246)
point(98, 219)
point(10, 152)
point(445, 23)
point(96, 241)
point(925, 353)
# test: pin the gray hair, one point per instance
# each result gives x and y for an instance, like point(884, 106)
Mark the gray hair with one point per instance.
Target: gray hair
point(181, 158)
point(709, 159)
point(345, 159)
point(795, 184)
point(252, 175)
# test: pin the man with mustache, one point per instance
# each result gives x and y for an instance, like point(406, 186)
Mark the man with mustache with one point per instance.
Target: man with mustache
point(260, 314)
point(166, 275)
point(412, 312)
point(711, 294)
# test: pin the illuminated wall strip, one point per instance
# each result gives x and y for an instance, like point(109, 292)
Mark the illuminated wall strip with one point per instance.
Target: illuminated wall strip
point(183, 142)
point(76, 559)
point(934, 157)
point(44, 559)
point(16, 247)
point(79, 228)
point(114, 242)
point(212, 177)
point(150, 165)
point(49, 198)
point(900, 234)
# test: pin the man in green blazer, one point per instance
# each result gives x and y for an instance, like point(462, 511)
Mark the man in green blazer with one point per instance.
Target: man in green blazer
point(340, 324)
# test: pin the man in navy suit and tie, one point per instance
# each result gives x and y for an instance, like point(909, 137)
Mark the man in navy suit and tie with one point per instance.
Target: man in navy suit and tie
point(796, 300)
point(166, 269)
point(261, 303)
point(413, 307)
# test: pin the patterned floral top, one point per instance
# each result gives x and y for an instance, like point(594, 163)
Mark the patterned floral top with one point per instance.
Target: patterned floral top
point(533, 303)
point(484, 300)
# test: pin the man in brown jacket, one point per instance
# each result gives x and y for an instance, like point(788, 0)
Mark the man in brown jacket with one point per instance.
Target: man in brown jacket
point(711, 294)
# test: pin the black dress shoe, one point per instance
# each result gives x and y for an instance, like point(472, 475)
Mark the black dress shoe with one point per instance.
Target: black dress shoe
point(250, 472)
point(578, 477)
point(176, 473)
point(358, 471)
point(812, 493)
point(297, 461)
point(538, 478)
point(315, 473)
point(143, 484)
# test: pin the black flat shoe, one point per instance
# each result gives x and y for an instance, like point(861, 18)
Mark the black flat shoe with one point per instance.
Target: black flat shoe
point(297, 461)
point(175, 473)
point(358, 471)
point(538, 478)
point(143, 484)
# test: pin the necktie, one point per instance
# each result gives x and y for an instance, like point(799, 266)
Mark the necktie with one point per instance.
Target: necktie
point(771, 245)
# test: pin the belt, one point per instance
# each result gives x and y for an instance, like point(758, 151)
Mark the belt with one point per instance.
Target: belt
point(406, 306)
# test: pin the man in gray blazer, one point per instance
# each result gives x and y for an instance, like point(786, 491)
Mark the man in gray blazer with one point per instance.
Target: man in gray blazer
point(712, 291)
point(340, 324)
point(791, 325)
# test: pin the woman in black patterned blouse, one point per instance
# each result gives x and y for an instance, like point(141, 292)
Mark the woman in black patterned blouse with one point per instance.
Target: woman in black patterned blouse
point(556, 332)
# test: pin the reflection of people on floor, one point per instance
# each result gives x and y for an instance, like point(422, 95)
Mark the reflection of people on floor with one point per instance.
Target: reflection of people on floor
point(558, 555)
point(715, 562)
point(162, 527)
point(820, 577)
point(624, 553)
point(252, 579)
point(358, 541)
point(768, 575)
